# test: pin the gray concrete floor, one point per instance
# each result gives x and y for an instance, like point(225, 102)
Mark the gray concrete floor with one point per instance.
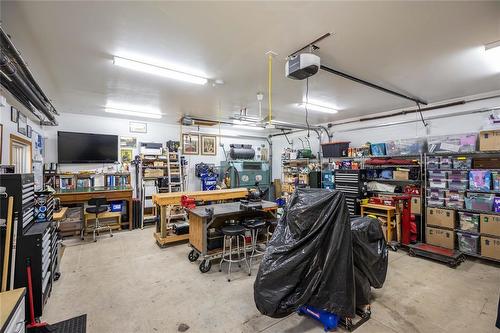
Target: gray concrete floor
point(127, 284)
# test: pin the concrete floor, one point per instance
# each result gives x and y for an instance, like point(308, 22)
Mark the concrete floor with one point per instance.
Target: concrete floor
point(127, 284)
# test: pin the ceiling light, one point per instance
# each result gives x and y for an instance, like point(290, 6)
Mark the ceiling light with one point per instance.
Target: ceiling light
point(141, 113)
point(317, 107)
point(492, 46)
point(158, 70)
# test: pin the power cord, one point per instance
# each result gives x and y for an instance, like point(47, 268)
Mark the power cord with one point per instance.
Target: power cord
point(307, 102)
point(421, 116)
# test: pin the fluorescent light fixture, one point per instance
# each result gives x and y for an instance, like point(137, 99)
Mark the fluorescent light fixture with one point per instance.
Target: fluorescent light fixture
point(317, 107)
point(158, 70)
point(131, 110)
point(494, 46)
point(248, 127)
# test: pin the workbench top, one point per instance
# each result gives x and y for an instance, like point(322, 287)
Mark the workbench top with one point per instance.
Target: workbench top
point(173, 198)
point(8, 302)
point(229, 208)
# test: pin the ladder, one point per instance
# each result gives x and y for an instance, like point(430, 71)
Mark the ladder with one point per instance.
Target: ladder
point(174, 168)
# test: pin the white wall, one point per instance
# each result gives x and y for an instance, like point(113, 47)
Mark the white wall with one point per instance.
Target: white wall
point(10, 127)
point(157, 132)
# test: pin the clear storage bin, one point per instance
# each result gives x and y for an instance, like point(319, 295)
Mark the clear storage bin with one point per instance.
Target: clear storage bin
point(438, 183)
point(455, 185)
point(478, 201)
point(480, 180)
point(462, 163)
point(468, 221)
point(454, 195)
point(468, 243)
point(457, 204)
point(458, 143)
point(438, 174)
point(436, 193)
point(433, 162)
point(435, 202)
point(446, 163)
point(458, 175)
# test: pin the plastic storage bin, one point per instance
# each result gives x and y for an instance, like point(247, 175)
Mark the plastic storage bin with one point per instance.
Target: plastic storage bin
point(433, 162)
point(458, 175)
point(456, 185)
point(438, 183)
point(377, 149)
point(468, 243)
point(480, 180)
point(446, 163)
point(435, 202)
point(495, 179)
point(458, 143)
point(438, 174)
point(392, 148)
point(412, 146)
point(335, 149)
point(468, 221)
point(478, 201)
point(451, 203)
point(435, 193)
point(462, 163)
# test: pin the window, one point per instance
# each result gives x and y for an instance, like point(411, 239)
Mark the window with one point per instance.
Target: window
point(20, 154)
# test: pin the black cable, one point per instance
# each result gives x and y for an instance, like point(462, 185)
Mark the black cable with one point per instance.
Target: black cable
point(421, 116)
point(286, 137)
point(307, 101)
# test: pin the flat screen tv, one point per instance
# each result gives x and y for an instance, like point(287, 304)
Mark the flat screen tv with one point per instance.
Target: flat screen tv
point(86, 148)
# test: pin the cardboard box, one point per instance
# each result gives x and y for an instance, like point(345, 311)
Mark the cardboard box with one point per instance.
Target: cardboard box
point(489, 224)
point(490, 247)
point(400, 174)
point(153, 173)
point(438, 217)
point(416, 206)
point(489, 140)
point(440, 237)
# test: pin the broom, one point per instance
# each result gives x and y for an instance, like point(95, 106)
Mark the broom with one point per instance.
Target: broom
point(33, 326)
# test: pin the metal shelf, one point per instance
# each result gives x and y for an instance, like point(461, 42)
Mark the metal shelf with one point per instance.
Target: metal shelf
point(465, 210)
point(473, 153)
point(385, 166)
point(394, 180)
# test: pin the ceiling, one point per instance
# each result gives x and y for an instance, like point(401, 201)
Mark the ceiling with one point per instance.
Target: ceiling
point(432, 50)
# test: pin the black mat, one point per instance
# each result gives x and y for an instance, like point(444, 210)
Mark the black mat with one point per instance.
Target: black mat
point(73, 325)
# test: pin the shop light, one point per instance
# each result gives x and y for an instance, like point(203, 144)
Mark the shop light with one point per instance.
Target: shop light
point(317, 107)
point(158, 70)
point(134, 113)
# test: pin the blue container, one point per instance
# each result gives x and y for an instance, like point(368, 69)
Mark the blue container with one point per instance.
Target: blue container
point(378, 149)
point(116, 206)
point(329, 320)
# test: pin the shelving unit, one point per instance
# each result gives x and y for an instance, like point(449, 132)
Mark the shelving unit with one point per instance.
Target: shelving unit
point(479, 233)
point(159, 174)
point(294, 175)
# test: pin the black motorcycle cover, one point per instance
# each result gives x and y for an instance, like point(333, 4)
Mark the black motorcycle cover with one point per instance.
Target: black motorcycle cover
point(309, 257)
point(369, 249)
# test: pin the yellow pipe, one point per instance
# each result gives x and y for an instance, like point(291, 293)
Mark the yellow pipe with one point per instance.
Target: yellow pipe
point(270, 83)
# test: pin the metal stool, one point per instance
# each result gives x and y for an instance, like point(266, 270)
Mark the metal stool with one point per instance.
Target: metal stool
point(255, 226)
point(100, 205)
point(230, 232)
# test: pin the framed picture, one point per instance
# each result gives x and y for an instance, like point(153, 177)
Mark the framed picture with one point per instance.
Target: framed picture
point(190, 144)
point(29, 131)
point(14, 114)
point(22, 123)
point(137, 127)
point(126, 155)
point(128, 142)
point(209, 145)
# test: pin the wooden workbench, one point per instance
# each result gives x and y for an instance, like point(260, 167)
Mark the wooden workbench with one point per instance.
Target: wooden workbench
point(112, 193)
point(167, 201)
point(386, 212)
point(9, 302)
point(57, 216)
point(200, 220)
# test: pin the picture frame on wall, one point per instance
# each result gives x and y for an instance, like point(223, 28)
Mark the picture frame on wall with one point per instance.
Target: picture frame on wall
point(29, 131)
point(137, 127)
point(22, 123)
point(14, 114)
point(126, 155)
point(209, 145)
point(128, 142)
point(190, 144)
